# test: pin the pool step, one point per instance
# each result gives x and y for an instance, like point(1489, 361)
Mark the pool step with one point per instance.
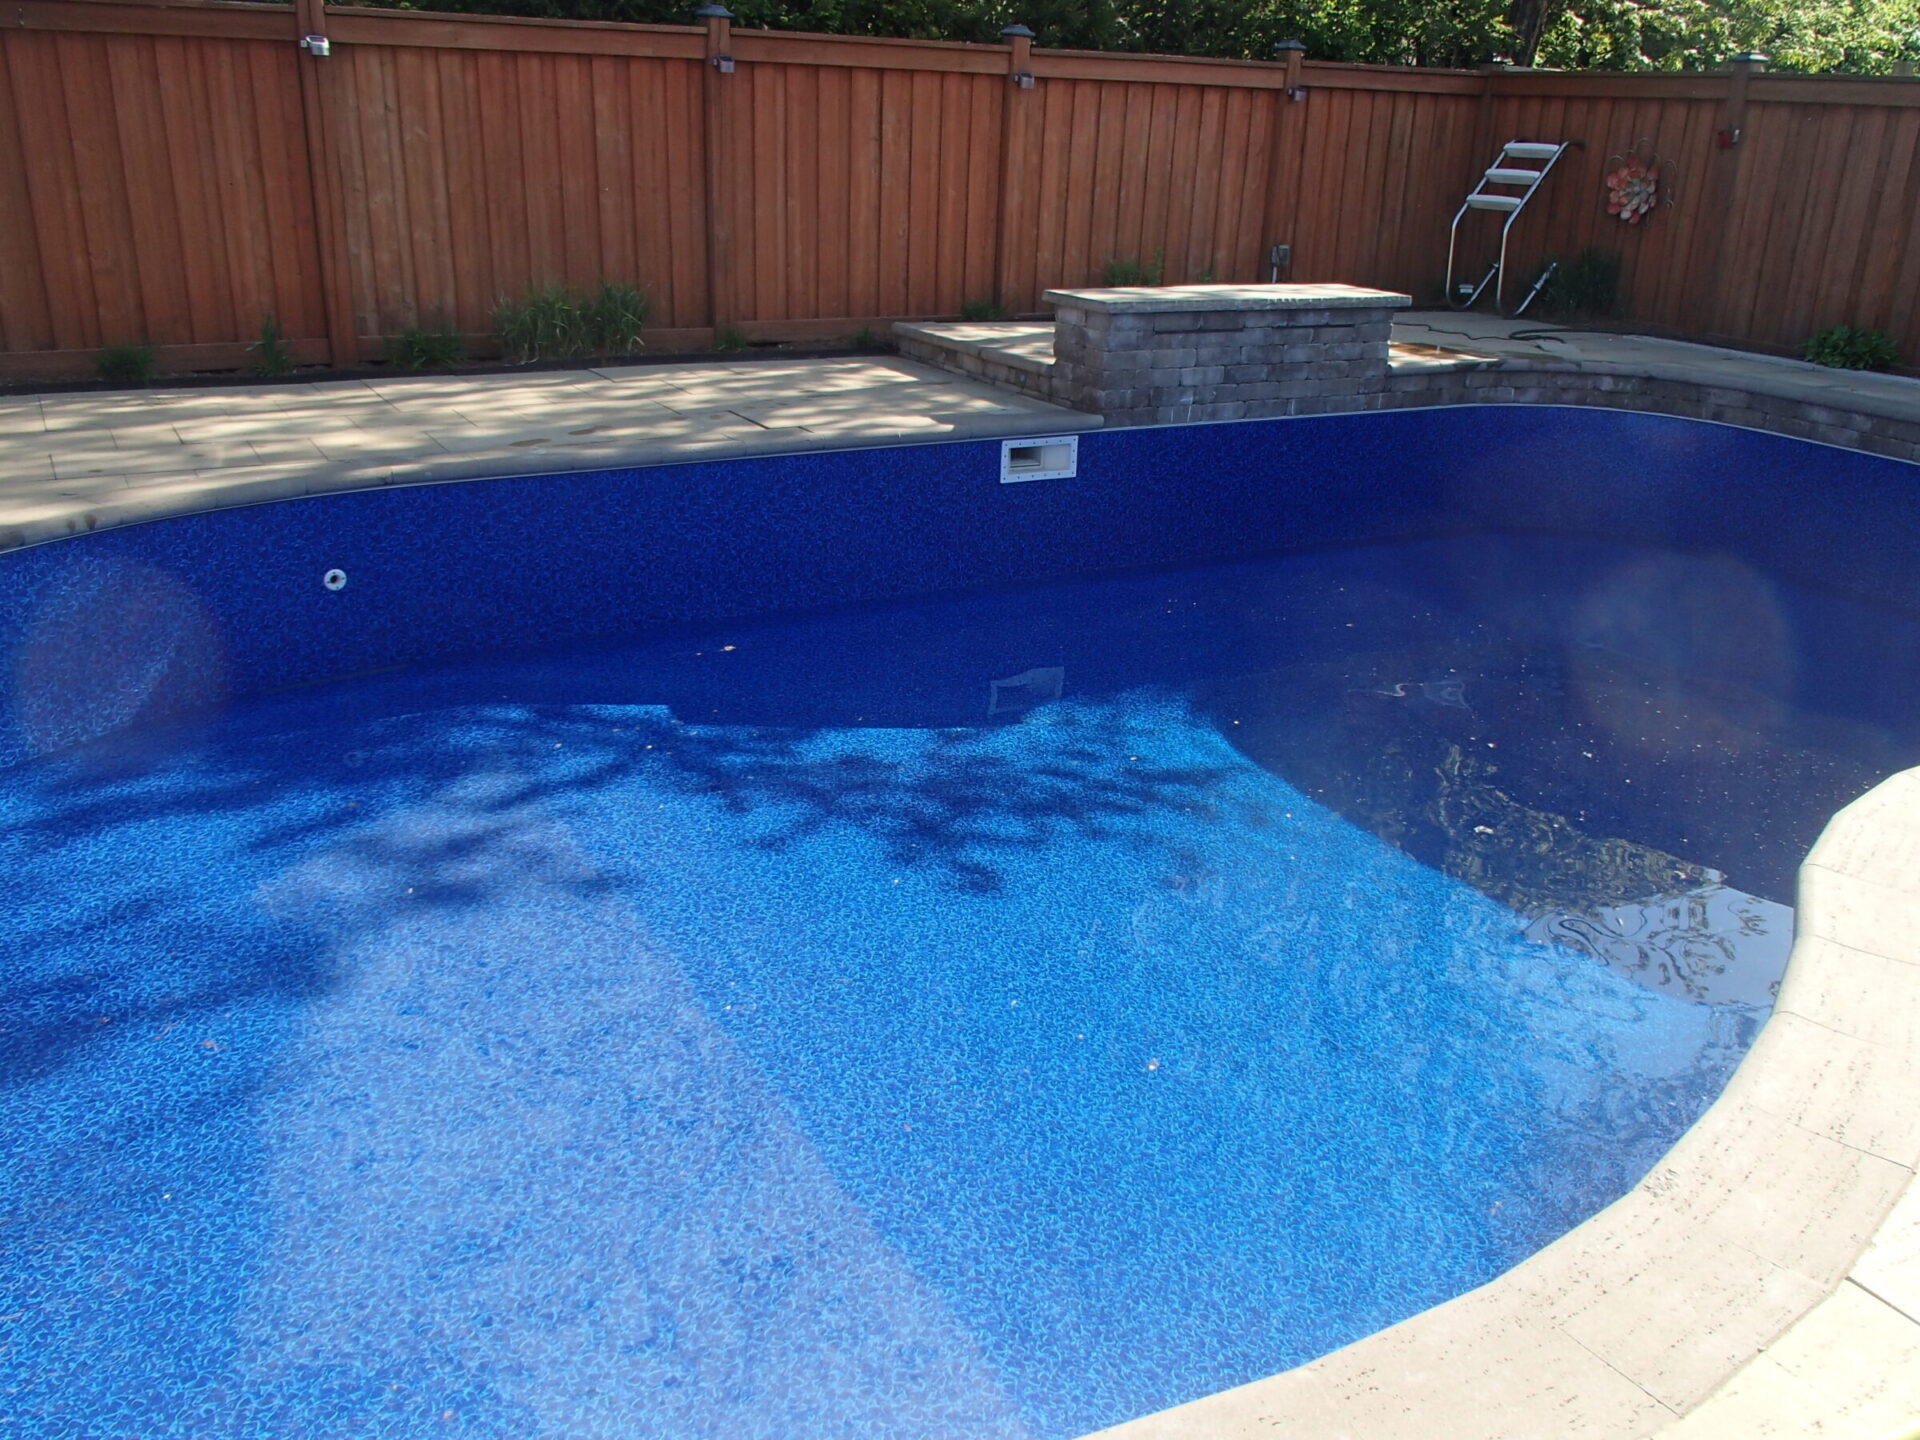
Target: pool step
point(1017, 355)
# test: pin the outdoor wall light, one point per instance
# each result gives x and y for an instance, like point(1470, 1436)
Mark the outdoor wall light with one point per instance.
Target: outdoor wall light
point(1020, 38)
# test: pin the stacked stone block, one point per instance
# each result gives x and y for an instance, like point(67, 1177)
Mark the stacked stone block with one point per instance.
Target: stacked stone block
point(1177, 354)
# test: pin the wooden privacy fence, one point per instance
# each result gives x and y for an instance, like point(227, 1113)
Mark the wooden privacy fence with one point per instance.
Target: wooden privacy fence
point(173, 173)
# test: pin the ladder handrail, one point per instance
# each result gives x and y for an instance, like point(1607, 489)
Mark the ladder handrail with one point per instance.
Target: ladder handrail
point(1498, 274)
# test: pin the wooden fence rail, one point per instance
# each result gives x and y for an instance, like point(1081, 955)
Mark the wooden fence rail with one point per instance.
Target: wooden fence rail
point(175, 172)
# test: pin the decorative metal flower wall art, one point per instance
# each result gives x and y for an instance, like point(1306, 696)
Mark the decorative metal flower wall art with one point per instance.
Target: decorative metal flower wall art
point(1638, 182)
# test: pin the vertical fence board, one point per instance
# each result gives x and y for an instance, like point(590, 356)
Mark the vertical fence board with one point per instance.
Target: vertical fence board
point(1253, 185)
point(1892, 224)
point(181, 120)
point(293, 253)
point(686, 165)
point(1776, 256)
point(141, 139)
point(1055, 104)
point(863, 150)
point(47, 140)
point(1130, 163)
point(893, 211)
point(105, 223)
point(25, 321)
point(540, 156)
point(1183, 148)
point(984, 100)
point(804, 200)
point(618, 257)
point(468, 201)
point(950, 207)
point(390, 255)
point(1686, 135)
point(923, 193)
point(425, 147)
point(834, 222)
point(1406, 122)
point(1826, 286)
point(1904, 306)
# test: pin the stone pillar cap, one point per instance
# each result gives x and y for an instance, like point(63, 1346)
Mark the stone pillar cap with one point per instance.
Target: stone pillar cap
point(1162, 298)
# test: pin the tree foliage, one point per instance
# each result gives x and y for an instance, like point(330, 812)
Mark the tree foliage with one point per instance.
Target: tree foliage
point(1864, 36)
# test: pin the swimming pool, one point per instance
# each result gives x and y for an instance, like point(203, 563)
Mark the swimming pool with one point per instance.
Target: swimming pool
point(1000, 1012)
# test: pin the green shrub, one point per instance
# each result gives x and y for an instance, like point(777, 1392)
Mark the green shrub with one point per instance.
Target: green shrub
point(544, 325)
point(416, 348)
point(1586, 285)
point(271, 353)
point(1132, 272)
point(978, 310)
point(127, 364)
point(1848, 347)
point(730, 337)
point(551, 323)
point(867, 338)
point(610, 321)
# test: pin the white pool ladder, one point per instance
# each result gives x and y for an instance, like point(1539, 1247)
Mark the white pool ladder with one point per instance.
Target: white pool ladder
point(1506, 187)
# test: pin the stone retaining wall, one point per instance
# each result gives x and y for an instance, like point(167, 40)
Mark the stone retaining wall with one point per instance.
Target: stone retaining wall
point(1182, 354)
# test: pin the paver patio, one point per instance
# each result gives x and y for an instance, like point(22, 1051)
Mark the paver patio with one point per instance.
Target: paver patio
point(87, 460)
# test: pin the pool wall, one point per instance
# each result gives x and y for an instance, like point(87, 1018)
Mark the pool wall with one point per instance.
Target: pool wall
point(106, 630)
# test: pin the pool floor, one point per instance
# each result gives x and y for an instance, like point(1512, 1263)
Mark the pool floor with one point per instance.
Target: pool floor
point(993, 1016)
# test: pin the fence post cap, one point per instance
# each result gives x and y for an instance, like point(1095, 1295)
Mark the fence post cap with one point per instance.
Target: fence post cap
point(1283, 45)
point(713, 12)
point(1015, 31)
point(1751, 58)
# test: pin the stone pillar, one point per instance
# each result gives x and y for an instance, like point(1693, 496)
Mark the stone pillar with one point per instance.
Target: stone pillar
point(1172, 354)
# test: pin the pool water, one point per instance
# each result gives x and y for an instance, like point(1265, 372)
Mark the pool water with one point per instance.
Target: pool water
point(992, 1016)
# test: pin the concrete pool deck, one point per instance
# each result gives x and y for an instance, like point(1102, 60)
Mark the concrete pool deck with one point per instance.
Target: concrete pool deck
point(1763, 1281)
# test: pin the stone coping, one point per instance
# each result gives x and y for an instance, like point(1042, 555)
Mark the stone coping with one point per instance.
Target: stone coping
point(1161, 298)
point(1763, 1280)
point(1777, 410)
point(1520, 346)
